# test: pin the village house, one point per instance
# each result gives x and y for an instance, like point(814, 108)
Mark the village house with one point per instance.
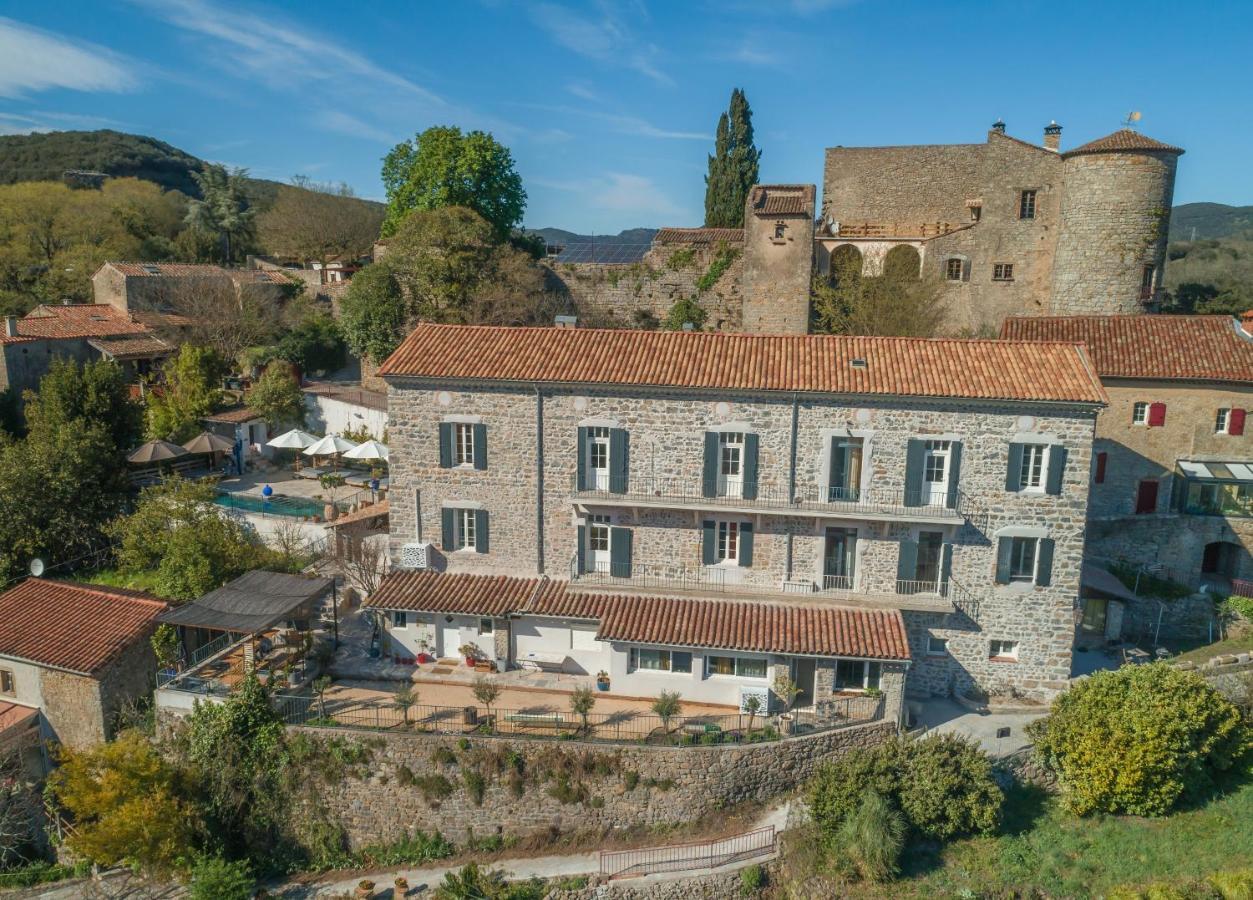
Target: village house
point(74, 655)
point(1172, 478)
point(703, 511)
point(156, 286)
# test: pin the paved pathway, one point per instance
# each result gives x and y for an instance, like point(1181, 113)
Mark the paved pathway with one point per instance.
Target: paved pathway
point(947, 716)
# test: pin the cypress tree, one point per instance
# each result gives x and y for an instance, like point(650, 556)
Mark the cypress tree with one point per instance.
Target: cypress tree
point(732, 167)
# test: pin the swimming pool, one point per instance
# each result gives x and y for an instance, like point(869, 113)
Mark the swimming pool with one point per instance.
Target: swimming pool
point(297, 507)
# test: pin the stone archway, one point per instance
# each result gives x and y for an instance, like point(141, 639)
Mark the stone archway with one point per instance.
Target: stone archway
point(902, 263)
point(846, 263)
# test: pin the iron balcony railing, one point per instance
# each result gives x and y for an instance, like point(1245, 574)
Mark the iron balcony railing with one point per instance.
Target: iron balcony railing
point(914, 504)
point(198, 656)
point(683, 857)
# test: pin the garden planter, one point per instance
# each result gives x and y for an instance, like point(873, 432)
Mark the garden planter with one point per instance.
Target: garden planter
point(365, 890)
point(602, 685)
point(470, 661)
point(787, 723)
point(400, 887)
point(330, 512)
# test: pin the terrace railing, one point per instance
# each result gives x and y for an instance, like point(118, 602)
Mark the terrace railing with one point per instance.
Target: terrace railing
point(684, 857)
point(198, 656)
point(898, 503)
point(621, 727)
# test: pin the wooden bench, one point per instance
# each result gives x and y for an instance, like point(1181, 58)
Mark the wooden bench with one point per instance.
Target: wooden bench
point(537, 720)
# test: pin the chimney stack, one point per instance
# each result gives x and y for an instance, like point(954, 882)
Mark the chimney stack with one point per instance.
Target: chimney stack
point(999, 126)
point(1052, 136)
point(10, 326)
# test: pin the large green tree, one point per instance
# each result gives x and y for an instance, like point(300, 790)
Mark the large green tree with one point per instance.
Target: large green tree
point(223, 210)
point(277, 397)
point(444, 167)
point(309, 223)
point(191, 391)
point(732, 167)
point(374, 312)
point(897, 303)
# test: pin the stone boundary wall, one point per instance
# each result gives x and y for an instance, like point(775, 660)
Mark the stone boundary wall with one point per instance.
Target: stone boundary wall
point(613, 787)
point(1183, 617)
point(617, 295)
point(701, 887)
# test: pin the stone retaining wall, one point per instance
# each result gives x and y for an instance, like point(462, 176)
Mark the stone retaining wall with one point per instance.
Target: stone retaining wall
point(1184, 617)
point(612, 786)
point(704, 887)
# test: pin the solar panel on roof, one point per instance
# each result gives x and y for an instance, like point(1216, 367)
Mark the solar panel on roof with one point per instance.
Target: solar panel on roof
point(608, 253)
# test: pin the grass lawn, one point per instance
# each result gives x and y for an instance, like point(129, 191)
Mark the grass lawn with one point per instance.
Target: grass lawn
point(1043, 847)
point(1238, 644)
point(140, 581)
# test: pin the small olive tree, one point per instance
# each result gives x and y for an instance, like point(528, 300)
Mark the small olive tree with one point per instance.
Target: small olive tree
point(667, 705)
point(404, 699)
point(486, 691)
point(581, 702)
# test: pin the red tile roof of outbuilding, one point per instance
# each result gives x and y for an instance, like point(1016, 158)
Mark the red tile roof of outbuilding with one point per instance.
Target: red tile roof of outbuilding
point(78, 320)
point(892, 366)
point(1122, 141)
point(78, 627)
point(1199, 348)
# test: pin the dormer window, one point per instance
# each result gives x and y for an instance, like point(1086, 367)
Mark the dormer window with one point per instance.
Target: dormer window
point(780, 231)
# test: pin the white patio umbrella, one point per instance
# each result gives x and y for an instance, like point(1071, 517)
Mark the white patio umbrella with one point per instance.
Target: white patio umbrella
point(292, 440)
point(331, 445)
point(369, 450)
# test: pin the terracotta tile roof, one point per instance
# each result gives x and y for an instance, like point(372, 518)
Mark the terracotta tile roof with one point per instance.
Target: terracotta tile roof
point(161, 319)
point(924, 367)
point(167, 270)
point(1123, 140)
point(79, 627)
point(78, 320)
point(15, 715)
point(139, 347)
point(1206, 348)
point(698, 235)
point(471, 595)
point(758, 627)
point(782, 199)
point(363, 514)
point(234, 416)
point(807, 628)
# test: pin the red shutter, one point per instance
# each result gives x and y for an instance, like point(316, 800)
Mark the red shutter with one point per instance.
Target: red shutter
point(1235, 422)
point(1157, 414)
point(1146, 497)
point(1100, 467)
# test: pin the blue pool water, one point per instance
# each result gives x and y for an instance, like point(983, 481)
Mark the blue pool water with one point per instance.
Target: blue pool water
point(275, 506)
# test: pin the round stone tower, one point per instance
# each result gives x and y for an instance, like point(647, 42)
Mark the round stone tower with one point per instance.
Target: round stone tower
point(1115, 209)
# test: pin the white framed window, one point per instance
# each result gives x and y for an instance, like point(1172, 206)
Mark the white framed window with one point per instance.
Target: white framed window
point(1022, 558)
point(463, 444)
point(644, 659)
point(1222, 421)
point(737, 666)
point(857, 674)
point(1003, 272)
point(730, 464)
point(729, 542)
point(953, 268)
point(1026, 205)
point(400, 619)
point(465, 523)
point(8, 684)
point(598, 540)
point(1140, 413)
point(486, 626)
point(936, 646)
point(1034, 465)
point(1002, 649)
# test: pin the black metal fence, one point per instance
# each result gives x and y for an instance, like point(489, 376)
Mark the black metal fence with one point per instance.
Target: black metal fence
point(682, 857)
point(627, 726)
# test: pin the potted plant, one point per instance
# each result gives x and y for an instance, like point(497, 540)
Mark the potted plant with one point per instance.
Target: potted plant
point(400, 887)
point(332, 482)
point(788, 690)
point(602, 680)
point(470, 652)
point(365, 889)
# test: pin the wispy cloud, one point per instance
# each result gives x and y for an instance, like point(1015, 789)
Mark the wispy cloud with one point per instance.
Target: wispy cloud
point(341, 122)
point(750, 55)
point(602, 34)
point(583, 92)
point(623, 124)
point(32, 60)
point(618, 192)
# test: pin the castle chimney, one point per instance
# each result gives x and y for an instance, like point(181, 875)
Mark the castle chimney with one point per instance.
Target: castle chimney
point(10, 326)
point(999, 126)
point(1052, 136)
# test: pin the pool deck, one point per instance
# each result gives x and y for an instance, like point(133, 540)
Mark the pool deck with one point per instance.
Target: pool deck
point(285, 484)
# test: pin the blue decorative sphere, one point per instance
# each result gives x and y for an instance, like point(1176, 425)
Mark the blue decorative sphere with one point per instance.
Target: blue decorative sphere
point(267, 491)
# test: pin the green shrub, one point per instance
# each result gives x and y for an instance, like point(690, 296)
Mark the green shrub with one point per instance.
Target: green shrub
point(1140, 740)
point(410, 850)
point(213, 878)
point(434, 787)
point(684, 311)
point(1236, 884)
point(681, 258)
point(721, 262)
point(873, 837)
point(41, 872)
point(1239, 606)
point(631, 780)
point(476, 785)
point(942, 784)
point(752, 880)
point(442, 756)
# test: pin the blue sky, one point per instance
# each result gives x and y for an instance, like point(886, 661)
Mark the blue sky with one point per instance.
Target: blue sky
point(609, 107)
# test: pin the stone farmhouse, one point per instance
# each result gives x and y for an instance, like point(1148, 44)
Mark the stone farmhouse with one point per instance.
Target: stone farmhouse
point(1009, 227)
point(141, 286)
point(1172, 479)
point(71, 655)
point(701, 512)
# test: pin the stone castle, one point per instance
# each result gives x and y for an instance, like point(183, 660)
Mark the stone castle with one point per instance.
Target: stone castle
point(1009, 227)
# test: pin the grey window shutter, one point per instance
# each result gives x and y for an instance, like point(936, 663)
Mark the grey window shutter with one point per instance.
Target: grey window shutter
point(620, 552)
point(1003, 548)
point(449, 537)
point(581, 463)
point(619, 463)
point(746, 544)
point(709, 543)
point(709, 483)
point(1013, 476)
point(480, 530)
point(915, 453)
point(1044, 562)
point(750, 466)
point(907, 561)
point(1057, 469)
point(480, 446)
point(946, 564)
point(954, 473)
point(836, 488)
point(445, 445)
point(580, 553)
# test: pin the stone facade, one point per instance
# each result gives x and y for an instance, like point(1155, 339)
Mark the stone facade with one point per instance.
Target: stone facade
point(1098, 219)
point(534, 511)
point(778, 258)
point(625, 787)
point(1136, 453)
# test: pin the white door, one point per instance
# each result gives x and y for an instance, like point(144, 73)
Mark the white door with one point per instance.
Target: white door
point(449, 639)
point(730, 464)
point(598, 459)
point(935, 472)
point(598, 543)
